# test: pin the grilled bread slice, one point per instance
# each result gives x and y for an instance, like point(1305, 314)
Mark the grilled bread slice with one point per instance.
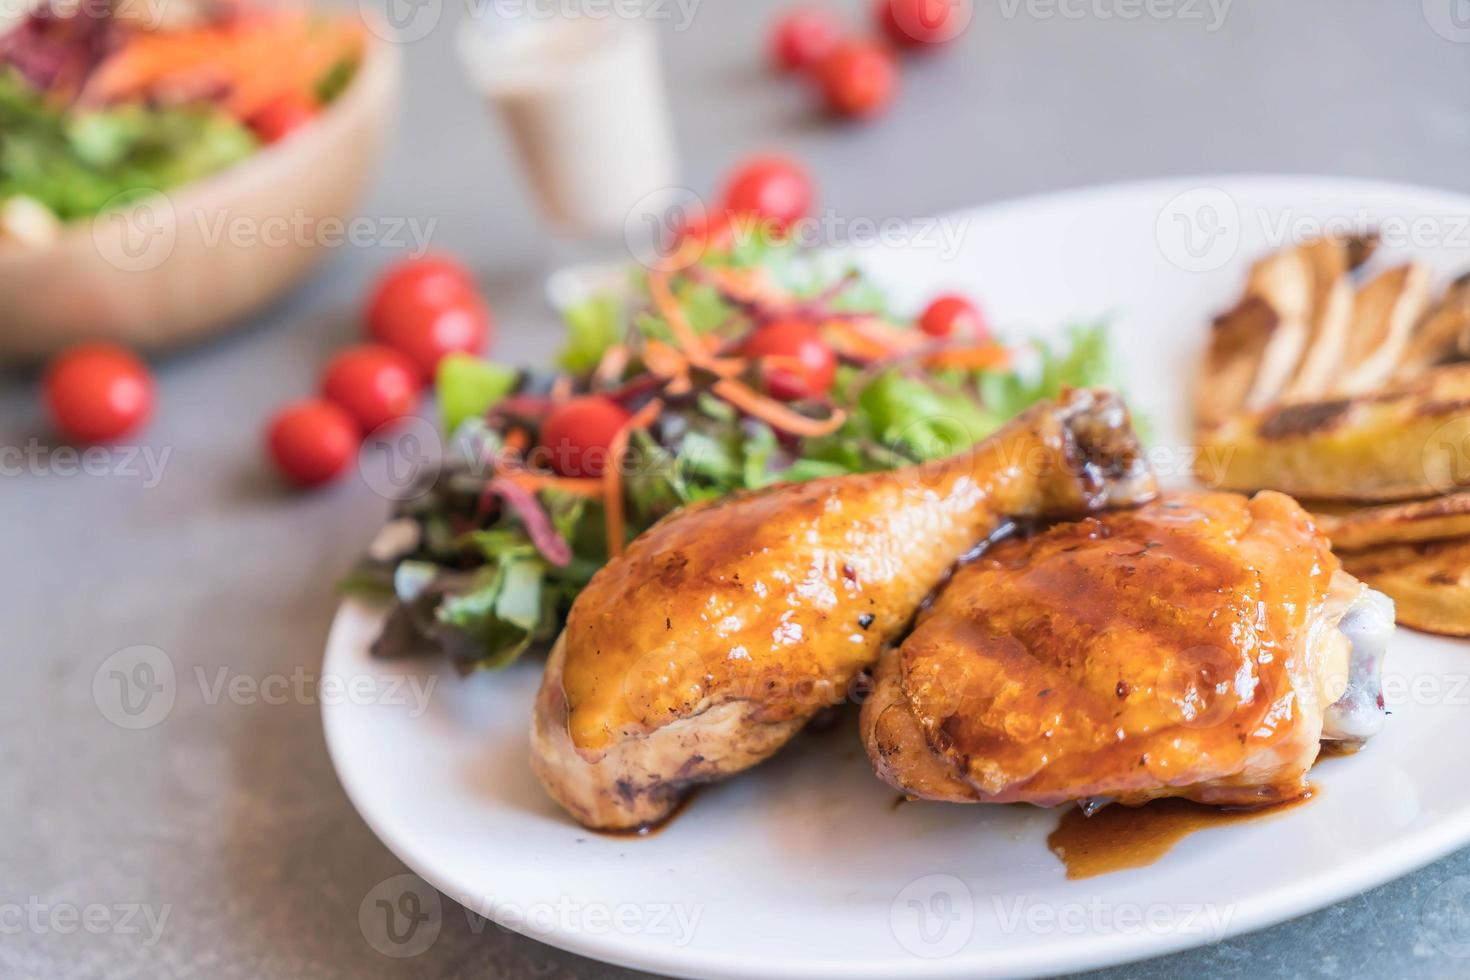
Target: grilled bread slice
point(1429, 582)
point(1422, 520)
point(1409, 441)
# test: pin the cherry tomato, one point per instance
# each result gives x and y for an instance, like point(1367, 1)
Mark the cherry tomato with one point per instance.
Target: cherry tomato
point(954, 315)
point(918, 24)
point(800, 365)
point(803, 37)
point(427, 308)
point(98, 392)
point(771, 187)
point(312, 441)
point(376, 384)
point(576, 437)
point(283, 117)
point(435, 277)
point(859, 79)
point(713, 228)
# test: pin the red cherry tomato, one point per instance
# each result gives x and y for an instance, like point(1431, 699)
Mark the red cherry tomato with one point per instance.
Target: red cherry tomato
point(312, 441)
point(576, 437)
point(954, 316)
point(918, 24)
point(859, 79)
point(427, 308)
point(376, 384)
point(98, 392)
point(283, 117)
point(803, 37)
point(799, 364)
point(770, 187)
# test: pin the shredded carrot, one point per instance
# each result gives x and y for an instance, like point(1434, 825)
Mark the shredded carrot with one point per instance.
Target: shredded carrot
point(990, 357)
point(612, 476)
point(664, 361)
point(664, 302)
point(694, 347)
point(517, 440)
point(256, 60)
point(778, 416)
point(847, 342)
point(614, 362)
point(543, 481)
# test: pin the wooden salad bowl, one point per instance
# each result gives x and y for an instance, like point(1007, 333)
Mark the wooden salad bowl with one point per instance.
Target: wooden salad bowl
point(195, 260)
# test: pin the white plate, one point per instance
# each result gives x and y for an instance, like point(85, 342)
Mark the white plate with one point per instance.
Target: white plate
point(804, 867)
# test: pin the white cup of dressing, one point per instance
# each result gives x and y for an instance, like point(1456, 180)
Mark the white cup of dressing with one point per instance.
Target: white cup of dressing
point(584, 102)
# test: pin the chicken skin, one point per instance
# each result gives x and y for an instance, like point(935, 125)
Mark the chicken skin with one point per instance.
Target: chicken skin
point(727, 626)
point(1202, 647)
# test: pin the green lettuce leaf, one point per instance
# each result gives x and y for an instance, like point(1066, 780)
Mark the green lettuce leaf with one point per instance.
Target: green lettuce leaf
point(592, 327)
point(468, 387)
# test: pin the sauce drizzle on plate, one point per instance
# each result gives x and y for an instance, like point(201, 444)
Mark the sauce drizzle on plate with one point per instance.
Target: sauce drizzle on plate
point(1118, 837)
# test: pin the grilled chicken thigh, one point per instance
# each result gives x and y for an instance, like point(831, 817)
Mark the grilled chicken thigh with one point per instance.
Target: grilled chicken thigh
point(1202, 646)
point(727, 626)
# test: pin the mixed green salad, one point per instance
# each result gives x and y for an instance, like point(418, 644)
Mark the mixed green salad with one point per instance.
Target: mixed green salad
point(483, 562)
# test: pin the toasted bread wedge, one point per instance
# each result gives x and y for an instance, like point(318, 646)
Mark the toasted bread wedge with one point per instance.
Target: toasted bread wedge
point(1287, 338)
point(1404, 443)
point(1385, 312)
point(1329, 320)
point(1443, 335)
point(1252, 353)
point(1429, 582)
point(1422, 520)
point(1256, 348)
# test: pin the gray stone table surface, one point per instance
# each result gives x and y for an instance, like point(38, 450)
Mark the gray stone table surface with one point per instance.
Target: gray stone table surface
point(228, 818)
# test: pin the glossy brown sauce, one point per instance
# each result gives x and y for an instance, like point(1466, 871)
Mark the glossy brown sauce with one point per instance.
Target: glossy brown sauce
point(1118, 838)
point(651, 829)
point(1338, 750)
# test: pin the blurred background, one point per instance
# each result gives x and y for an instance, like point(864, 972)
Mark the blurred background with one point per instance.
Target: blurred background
point(235, 819)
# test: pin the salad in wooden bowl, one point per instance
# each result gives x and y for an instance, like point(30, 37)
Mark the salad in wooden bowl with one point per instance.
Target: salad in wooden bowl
point(147, 154)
